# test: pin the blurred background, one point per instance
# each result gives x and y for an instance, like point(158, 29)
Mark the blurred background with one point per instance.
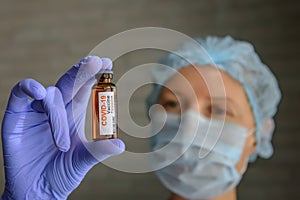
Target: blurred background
point(42, 39)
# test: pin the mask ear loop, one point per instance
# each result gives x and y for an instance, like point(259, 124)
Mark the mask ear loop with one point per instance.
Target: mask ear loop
point(245, 166)
point(251, 131)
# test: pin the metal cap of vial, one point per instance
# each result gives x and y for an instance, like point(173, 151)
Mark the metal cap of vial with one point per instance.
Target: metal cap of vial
point(105, 74)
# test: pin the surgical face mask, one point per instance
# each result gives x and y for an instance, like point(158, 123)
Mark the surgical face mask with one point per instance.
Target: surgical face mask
point(200, 154)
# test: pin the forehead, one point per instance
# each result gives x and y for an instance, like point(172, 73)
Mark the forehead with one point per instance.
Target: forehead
point(204, 80)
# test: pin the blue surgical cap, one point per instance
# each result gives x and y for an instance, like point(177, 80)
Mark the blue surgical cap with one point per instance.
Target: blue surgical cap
point(238, 59)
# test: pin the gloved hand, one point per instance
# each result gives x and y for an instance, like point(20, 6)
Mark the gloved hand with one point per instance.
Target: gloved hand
point(44, 157)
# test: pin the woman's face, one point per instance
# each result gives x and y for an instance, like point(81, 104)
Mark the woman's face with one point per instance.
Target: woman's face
point(188, 90)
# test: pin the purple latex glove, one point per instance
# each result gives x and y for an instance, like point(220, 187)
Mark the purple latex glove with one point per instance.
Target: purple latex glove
point(44, 157)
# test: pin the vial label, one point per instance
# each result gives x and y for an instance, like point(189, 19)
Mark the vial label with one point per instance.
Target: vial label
point(106, 113)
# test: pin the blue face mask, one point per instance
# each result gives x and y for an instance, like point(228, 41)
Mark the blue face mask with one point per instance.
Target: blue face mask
point(207, 151)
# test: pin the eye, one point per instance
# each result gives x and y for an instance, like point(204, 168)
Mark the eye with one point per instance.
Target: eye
point(171, 104)
point(217, 111)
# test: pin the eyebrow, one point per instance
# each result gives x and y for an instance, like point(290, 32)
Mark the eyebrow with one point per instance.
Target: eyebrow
point(173, 92)
point(177, 93)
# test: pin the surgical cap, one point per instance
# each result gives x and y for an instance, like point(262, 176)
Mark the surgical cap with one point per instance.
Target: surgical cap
point(238, 59)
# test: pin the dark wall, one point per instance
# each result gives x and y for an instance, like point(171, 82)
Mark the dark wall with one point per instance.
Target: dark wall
point(42, 39)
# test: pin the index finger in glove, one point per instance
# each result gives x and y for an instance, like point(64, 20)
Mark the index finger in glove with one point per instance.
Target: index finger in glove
point(21, 92)
point(71, 82)
point(54, 108)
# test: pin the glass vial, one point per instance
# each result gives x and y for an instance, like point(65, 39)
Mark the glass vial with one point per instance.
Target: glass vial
point(104, 105)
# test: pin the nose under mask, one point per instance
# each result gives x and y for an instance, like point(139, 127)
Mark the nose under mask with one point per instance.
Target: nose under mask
point(200, 154)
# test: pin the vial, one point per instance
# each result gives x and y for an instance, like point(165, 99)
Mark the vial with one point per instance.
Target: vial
point(104, 108)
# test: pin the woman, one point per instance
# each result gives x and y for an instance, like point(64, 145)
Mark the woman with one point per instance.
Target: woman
point(219, 113)
point(218, 109)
